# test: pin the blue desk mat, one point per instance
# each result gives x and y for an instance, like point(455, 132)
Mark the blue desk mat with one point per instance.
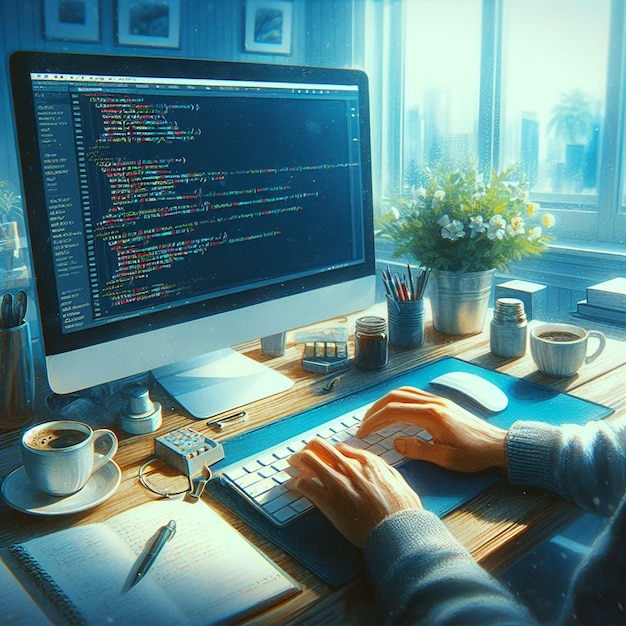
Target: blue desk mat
point(312, 540)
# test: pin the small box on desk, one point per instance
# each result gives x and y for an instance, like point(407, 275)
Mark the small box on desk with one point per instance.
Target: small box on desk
point(533, 295)
point(188, 450)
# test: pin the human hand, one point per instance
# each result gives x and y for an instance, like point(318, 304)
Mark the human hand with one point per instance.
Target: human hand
point(354, 489)
point(460, 441)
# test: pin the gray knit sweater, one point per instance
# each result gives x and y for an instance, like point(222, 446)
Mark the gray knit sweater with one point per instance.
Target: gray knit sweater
point(423, 575)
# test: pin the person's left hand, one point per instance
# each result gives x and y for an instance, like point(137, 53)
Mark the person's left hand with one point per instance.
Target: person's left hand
point(355, 489)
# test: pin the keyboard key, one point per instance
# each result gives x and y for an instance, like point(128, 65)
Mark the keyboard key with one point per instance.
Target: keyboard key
point(248, 479)
point(392, 457)
point(281, 464)
point(327, 433)
point(411, 430)
point(266, 472)
point(281, 477)
point(355, 442)
point(265, 498)
point(260, 486)
point(387, 443)
point(302, 505)
point(252, 467)
point(283, 453)
point(268, 459)
point(236, 473)
point(285, 514)
point(281, 502)
point(377, 449)
point(372, 438)
point(387, 431)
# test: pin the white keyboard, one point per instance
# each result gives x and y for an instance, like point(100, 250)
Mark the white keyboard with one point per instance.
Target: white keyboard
point(261, 478)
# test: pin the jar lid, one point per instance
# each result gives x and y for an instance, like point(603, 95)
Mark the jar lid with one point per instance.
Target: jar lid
point(371, 324)
point(509, 310)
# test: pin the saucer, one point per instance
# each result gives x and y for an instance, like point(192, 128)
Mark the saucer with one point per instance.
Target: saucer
point(20, 493)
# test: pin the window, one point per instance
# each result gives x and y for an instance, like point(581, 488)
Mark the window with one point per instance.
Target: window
point(553, 95)
point(442, 82)
point(538, 84)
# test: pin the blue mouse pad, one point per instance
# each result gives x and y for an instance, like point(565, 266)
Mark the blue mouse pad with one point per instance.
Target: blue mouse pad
point(312, 539)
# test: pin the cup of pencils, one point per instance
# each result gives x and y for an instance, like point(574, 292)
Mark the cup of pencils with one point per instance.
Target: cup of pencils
point(17, 374)
point(405, 305)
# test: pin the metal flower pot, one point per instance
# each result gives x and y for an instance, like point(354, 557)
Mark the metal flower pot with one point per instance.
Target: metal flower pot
point(459, 300)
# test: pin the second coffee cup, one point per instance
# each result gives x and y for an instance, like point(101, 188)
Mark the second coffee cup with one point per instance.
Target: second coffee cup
point(561, 349)
point(59, 457)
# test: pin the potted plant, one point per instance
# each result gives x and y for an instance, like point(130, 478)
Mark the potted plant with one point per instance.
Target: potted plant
point(464, 228)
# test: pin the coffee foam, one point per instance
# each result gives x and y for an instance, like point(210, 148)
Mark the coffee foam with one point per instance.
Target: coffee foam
point(55, 439)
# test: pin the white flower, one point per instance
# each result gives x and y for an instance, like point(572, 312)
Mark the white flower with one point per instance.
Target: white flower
point(534, 233)
point(420, 192)
point(516, 227)
point(548, 220)
point(477, 225)
point(497, 227)
point(439, 195)
point(451, 229)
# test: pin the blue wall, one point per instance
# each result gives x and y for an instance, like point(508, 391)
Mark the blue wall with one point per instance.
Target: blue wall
point(210, 29)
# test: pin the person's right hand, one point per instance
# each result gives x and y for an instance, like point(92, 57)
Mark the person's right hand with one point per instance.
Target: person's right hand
point(460, 441)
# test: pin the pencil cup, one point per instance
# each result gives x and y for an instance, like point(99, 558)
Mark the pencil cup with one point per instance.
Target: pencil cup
point(406, 322)
point(17, 376)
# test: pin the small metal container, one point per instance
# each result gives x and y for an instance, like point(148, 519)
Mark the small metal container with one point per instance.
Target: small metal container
point(509, 328)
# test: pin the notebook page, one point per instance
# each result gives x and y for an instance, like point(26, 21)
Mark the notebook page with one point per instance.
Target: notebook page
point(92, 566)
point(212, 572)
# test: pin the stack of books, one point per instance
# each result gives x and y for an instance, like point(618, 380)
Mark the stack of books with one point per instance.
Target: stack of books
point(605, 302)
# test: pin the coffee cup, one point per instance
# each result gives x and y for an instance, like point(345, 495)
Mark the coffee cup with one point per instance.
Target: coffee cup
point(561, 349)
point(59, 457)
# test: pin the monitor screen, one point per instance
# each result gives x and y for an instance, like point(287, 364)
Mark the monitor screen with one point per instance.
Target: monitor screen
point(177, 207)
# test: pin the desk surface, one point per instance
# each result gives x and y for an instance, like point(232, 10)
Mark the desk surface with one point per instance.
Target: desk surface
point(497, 527)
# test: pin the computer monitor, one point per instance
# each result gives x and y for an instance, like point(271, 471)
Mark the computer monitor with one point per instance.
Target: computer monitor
point(177, 207)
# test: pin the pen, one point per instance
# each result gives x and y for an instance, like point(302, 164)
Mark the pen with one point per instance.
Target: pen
point(165, 534)
point(235, 418)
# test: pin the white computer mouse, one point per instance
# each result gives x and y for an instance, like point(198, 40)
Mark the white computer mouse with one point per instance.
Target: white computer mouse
point(478, 389)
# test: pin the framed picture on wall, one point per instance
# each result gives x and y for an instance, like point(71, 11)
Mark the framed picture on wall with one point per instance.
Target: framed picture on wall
point(154, 23)
point(72, 20)
point(268, 26)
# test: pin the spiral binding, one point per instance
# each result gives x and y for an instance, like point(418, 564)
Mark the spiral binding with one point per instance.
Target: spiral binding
point(46, 584)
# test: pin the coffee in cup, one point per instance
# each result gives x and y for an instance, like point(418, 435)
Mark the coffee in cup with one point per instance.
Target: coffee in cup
point(561, 349)
point(59, 457)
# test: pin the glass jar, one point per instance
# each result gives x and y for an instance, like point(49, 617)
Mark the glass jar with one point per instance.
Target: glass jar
point(371, 343)
point(508, 328)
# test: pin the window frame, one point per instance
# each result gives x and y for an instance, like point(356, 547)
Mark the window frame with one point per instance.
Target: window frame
point(592, 220)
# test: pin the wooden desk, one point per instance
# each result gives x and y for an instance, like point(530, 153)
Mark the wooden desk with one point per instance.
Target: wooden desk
point(497, 527)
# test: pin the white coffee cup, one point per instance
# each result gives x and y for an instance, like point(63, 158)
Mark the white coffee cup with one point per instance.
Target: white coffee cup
point(59, 457)
point(561, 349)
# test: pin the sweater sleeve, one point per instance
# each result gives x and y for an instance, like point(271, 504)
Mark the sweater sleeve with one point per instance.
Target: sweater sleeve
point(583, 464)
point(423, 575)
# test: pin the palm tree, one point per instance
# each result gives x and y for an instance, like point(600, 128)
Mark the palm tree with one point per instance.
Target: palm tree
point(572, 117)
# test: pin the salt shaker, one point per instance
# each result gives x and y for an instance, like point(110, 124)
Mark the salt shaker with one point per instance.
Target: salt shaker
point(508, 328)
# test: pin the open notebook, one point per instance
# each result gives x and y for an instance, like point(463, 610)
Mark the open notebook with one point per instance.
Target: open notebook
point(207, 573)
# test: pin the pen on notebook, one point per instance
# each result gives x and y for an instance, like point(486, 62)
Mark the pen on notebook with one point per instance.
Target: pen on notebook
point(165, 534)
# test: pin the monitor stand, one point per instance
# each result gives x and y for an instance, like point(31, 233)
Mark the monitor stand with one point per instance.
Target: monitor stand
point(219, 381)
